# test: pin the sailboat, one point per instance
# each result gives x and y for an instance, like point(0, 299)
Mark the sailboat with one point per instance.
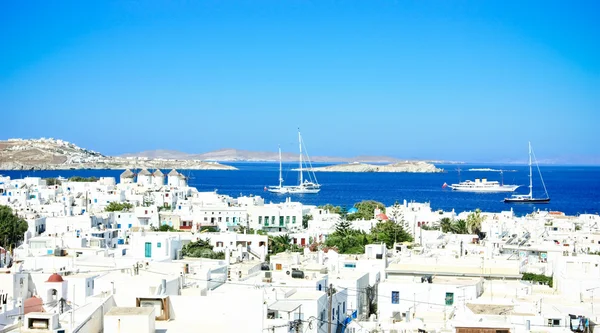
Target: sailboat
point(307, 186)
point(528, 198)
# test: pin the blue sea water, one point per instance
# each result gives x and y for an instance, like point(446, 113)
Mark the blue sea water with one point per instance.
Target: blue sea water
point(573, 189)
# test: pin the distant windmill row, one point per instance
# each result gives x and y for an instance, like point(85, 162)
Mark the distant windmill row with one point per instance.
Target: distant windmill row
point(145, 177)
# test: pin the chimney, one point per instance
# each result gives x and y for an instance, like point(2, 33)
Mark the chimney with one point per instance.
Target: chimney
point(163, 287)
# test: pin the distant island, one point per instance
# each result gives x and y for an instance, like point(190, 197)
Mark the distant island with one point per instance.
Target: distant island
point(407, 166)
point(53, 154)
point(238, 155)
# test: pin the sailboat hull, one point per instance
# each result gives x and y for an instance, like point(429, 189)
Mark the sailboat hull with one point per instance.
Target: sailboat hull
point(293, 190)
point(305, 186)
point(526, 200)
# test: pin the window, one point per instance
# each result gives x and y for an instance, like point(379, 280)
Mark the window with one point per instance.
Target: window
point(320, 287)
point(395, 297)
point(219, 219)
point(553, 322)
point(281, 220)
point(293, 219)
point(227, 219)
point(272, 219)
point(350, 265)
point(260, 220)
point(129, 225)
point(449, 298)
point(287, 220)
point(322, 318)
point(205, 219)
point(158, 244)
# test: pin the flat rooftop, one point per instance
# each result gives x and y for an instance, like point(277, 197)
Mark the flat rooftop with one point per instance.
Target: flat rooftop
point(446, 280)
point(130, 311)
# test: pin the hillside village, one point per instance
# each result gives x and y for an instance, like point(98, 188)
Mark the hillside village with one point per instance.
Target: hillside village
point(148, 253)
point(57, 154)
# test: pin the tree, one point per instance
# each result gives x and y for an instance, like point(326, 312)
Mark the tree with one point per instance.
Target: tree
point(343, 213)
point(474, 222)
point(280, 243)
point(395, 213)
point(201, 249)
point(12, 228)
point(305, 219)
point(343, 228)
point(459, 227)
point(389, 232)
point(118, 206)
point(83, 179)
point(446, 224)
point(164, 228)
point(52, 182)
point(427, 227)
point(366, 210)
point(208, 229)
point(331, 208)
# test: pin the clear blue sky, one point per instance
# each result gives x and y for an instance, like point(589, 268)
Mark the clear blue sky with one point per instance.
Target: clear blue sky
point(459, 80)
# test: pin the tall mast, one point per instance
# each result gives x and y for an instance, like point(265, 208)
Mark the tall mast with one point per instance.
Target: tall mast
point(280, 176)
point(530, 179)
point(300, 145)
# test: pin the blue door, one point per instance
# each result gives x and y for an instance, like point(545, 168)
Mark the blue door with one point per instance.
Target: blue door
point(148, 250)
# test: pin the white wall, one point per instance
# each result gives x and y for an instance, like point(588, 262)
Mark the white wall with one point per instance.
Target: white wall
point(425, 296)
point(239, 311)
point(130, 323)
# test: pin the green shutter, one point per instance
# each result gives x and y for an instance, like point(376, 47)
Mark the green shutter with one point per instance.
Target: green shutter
point(449, 298)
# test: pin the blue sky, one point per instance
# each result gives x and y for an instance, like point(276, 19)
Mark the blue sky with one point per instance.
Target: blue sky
point(457, 80)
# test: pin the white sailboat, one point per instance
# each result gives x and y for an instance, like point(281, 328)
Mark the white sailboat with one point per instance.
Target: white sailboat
point(305, 186)
point(528, 198)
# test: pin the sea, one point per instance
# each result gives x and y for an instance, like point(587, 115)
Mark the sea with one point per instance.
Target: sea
point(573, 189)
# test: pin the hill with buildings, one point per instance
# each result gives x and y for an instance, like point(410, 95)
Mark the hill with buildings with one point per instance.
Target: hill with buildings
point(56, 154)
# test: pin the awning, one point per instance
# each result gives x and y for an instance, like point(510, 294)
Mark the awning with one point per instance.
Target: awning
point(285, 306)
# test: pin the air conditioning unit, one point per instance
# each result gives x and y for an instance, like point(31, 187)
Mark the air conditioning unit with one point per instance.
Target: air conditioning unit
point(160, 304)
point(41, 321)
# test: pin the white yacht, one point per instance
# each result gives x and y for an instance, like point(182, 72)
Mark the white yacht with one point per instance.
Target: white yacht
point(483, 185)
point(308, 186)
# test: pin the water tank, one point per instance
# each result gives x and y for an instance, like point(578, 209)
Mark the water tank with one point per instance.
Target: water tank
point(298, 274)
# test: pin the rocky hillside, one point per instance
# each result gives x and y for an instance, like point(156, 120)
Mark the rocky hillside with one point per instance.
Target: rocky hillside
point(53, 154)
point(416, 167)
